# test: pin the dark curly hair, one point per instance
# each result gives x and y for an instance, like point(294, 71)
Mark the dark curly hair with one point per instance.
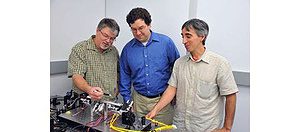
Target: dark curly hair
point(138, 13)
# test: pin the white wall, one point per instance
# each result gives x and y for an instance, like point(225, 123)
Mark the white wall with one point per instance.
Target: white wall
point(167, 18)
point(72, 21)
point(75, 20)
point(229, 22)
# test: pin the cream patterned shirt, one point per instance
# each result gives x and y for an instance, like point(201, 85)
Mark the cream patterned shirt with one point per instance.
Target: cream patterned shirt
point(201, 89)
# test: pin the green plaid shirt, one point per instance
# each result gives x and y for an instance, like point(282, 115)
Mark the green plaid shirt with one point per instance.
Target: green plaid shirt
point(98, 69)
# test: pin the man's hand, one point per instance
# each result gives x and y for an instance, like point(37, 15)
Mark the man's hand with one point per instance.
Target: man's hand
point(221, 130)
point(151, 114)
point(96, 93)
point(164, 101)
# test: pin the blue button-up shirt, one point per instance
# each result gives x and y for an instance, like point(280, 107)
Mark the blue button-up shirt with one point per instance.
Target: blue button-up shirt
point(148, 68)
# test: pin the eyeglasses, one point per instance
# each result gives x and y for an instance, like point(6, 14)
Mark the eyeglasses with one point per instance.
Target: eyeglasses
point(107, 37)
point(141, 28)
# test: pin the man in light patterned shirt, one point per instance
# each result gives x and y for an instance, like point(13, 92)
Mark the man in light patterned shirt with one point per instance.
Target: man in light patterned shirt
point(202, 82)
point(93, 63)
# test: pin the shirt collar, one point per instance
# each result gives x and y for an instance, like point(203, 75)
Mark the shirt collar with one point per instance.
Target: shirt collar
point(153, 37)
point(91, 45)
point(204, 57)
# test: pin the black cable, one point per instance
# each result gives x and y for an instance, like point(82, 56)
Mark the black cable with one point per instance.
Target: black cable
point(61, 125)
point(76, 127)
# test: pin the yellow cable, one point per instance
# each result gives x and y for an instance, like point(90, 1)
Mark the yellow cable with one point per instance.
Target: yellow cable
point(167, 127)
point(163, 126)
point(114, 118)
point(154, 121)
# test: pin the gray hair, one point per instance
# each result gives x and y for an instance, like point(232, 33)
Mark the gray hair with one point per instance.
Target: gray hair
point(110, 23)
point(201, 28)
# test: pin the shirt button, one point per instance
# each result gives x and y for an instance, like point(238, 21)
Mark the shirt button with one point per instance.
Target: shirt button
point(148, 83)
point(147, 74)
point(146, 65)
point(145, 55)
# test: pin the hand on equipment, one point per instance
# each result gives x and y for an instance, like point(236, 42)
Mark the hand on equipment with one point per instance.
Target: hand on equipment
point(96, 93)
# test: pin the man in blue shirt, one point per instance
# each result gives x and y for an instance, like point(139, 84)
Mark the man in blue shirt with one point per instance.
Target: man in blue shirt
point(146, 64)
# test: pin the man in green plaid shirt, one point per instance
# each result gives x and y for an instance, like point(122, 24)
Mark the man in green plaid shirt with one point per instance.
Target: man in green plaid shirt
point(93, 63)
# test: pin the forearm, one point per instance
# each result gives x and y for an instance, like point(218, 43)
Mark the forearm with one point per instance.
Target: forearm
point(81, 83)
point(166, 98)
point(229, 111)
point(117, 89)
